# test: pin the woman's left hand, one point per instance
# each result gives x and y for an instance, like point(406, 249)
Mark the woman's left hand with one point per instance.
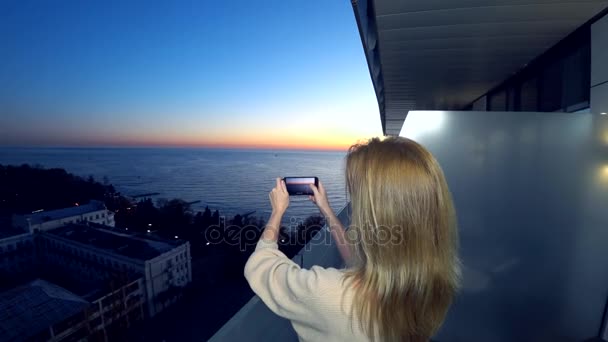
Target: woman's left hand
point(279, 198)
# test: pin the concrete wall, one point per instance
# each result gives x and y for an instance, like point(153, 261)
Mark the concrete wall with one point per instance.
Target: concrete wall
point(599, 87)
point(531, 193)
point(22, 254)
point(173, 268)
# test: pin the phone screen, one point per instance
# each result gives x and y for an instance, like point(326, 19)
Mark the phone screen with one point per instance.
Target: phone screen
point(300, 185)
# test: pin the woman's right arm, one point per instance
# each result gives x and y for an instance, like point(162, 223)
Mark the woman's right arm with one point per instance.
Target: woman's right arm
point(335, 226)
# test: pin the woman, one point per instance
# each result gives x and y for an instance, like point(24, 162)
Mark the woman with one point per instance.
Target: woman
point(401, 252)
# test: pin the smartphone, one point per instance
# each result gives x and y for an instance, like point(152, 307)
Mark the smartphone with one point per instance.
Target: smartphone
point(300, 185)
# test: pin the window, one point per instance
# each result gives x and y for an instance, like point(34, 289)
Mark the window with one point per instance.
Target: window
point(512, 99)
point(498, 101)
point(576, 74)
point(557, 80)
point(551, 88)
point(529, 95)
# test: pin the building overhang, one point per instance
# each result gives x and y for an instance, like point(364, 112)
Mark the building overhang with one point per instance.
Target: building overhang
point(444, 54)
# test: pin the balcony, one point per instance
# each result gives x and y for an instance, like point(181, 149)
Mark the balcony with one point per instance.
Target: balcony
point(530, 191)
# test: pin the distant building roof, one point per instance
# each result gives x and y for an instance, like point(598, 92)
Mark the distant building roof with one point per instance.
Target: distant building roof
point(29, 309)
point(51, 215)
point(123, 244)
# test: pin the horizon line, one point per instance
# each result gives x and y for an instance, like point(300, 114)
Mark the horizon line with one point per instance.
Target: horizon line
point(209, 147)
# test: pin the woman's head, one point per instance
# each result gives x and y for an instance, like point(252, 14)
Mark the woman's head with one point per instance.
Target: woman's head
point(404, 239)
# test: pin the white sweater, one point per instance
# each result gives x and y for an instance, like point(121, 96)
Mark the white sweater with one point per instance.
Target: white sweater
point(316, 301)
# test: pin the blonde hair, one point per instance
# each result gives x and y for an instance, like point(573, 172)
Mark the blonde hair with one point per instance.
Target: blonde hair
point(406, 268)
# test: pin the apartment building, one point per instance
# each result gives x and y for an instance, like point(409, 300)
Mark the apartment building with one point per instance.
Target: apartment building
point(86, 279)
point(94, 211)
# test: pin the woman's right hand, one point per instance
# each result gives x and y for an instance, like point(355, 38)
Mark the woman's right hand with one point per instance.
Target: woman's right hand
point(320, 199)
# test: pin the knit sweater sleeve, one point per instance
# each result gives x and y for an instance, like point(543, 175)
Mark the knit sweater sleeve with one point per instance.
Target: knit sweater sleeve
point(287, 290)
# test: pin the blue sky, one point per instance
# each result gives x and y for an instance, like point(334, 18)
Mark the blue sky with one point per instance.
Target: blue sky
point(243, 73)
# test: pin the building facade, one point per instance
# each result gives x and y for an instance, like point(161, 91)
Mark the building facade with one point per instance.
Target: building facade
point(94, 212)
point(97, 280)
point(102, 254)
point(65, 316)
point(17, 258)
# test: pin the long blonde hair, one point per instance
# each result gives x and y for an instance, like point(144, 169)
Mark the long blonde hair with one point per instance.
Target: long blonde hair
point(405, 270)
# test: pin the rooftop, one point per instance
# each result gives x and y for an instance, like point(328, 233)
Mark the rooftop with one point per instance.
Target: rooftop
point(29, 309)
point(44, 216)
point(131, 246)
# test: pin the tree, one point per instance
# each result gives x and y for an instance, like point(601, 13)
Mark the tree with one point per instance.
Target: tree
point(207, 215)
point(24, 189)
point(237, 221)
point(176, 216)
point(215, 218)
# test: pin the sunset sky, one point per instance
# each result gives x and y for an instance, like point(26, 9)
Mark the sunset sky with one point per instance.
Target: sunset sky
point(286, 74)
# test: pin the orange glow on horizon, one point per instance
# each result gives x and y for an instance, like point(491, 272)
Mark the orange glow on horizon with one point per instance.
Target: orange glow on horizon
point(310, 134)
point(322, 139)
point(337, 143)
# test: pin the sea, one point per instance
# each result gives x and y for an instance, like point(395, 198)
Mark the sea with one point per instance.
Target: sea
point(231, 181)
